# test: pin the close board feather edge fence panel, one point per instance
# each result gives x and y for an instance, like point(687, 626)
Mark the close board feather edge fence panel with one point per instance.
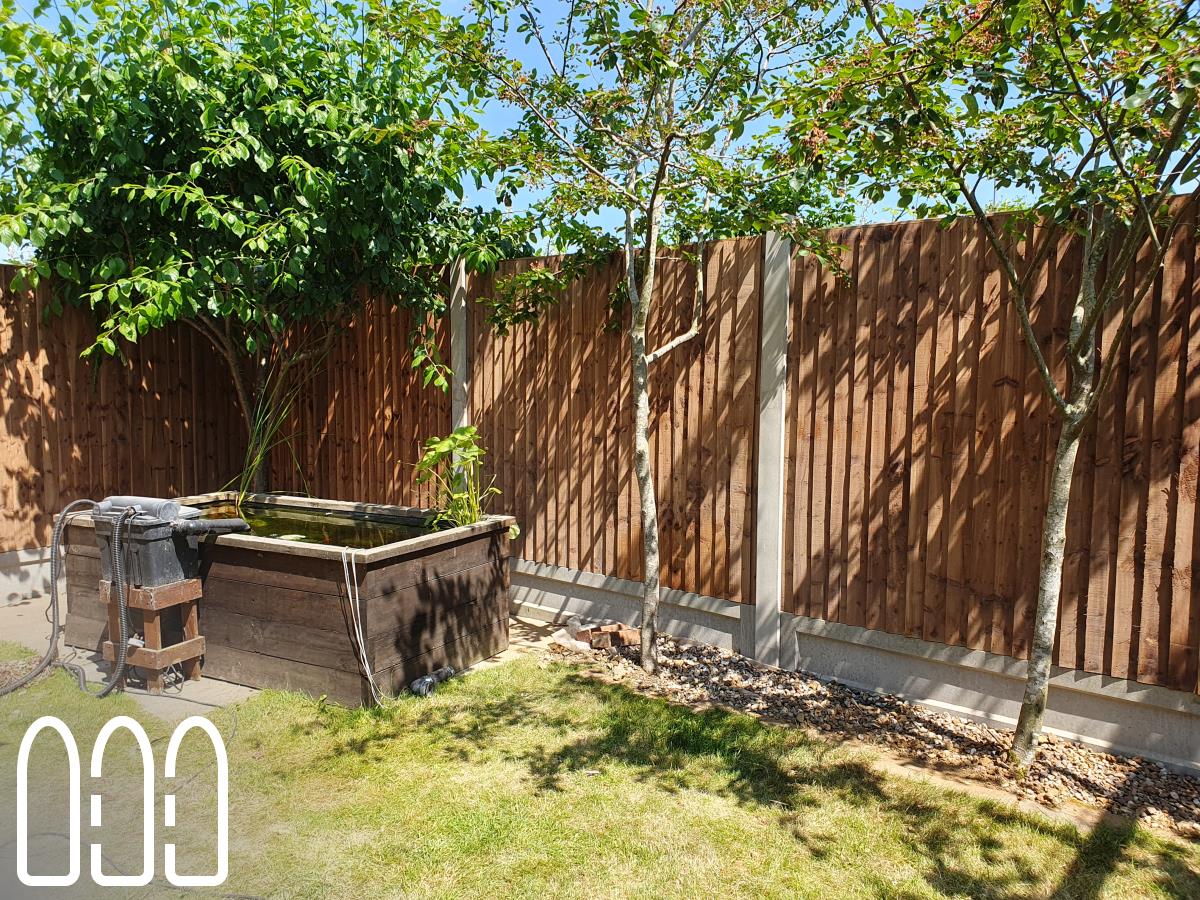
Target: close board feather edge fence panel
point(918, 439)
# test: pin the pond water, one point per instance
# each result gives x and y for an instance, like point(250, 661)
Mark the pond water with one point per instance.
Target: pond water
point(318, 526)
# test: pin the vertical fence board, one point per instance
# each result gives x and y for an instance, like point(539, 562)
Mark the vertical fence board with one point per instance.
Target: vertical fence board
point(864, 558)
point(898, 467)
point(1185, 608)
point(1179, 441)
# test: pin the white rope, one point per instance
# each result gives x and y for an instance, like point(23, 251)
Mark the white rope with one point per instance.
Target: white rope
point(350, 570)
point(362, 638)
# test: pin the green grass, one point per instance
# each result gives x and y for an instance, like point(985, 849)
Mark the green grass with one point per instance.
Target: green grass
point(529, 782)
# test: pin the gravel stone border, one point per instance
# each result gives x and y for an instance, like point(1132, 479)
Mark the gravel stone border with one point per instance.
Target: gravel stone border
point(1065, 771)
point(15, 669)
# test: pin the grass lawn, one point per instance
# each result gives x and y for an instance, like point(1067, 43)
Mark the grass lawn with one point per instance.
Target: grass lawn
point(529, 782)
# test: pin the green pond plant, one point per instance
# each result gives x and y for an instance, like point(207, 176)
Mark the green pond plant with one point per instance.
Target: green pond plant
point(454, 466)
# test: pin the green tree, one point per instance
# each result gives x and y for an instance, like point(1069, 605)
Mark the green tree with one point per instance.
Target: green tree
point(1085, 111)
point(248, 169)
point(665, 115)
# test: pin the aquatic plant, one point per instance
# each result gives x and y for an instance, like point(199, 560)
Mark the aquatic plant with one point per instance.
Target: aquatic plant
point(454, 465)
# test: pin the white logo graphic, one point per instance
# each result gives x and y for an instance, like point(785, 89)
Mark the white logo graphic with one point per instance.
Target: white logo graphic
point(222, 806)
point(147, 874)
point(143, 743)
point(68, 740)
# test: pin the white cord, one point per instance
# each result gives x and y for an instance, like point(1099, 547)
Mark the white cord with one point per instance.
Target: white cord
point(362, 638)
point(350, 570)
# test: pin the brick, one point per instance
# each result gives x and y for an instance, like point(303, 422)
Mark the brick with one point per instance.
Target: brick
point(623, 636)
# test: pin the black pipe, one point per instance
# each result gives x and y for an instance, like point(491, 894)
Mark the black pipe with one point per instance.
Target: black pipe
point(52, 649)
point(118, 582)
point(209, 526)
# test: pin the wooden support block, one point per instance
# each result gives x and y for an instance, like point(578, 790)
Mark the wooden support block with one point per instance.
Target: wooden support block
point(154, 657)
point(191, 630)
point(145, 658)
point(160, 597)
point(152, 631)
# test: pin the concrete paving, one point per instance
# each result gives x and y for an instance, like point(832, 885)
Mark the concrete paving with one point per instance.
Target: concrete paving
point(26, 622)
point(525, 636)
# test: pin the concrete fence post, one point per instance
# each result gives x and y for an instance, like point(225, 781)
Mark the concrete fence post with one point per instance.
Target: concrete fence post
point(460, 344)
point(761, 622)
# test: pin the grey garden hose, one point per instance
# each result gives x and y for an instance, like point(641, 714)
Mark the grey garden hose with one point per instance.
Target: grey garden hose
point(52, 649)
point(118, 576)
point(118, 570)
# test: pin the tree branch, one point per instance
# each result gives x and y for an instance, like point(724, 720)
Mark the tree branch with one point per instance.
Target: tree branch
point(527, 103)
point(1130, 306)
point(989, 232)
point(1101, 120)
point(698, 299)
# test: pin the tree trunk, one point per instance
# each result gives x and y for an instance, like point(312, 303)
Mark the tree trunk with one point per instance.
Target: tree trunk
point(261, 482)
point(1054, 540)
point(251, 385)
point(648, 501)
point(641, 296)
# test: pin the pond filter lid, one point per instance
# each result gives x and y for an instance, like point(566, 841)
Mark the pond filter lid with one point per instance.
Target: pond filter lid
point(150, 507)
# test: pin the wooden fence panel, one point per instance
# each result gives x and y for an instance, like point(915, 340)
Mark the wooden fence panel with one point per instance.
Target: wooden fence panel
point(27, 463)
point(552, 403)
point(932, 473)
point(359, 425)
point(158, 421)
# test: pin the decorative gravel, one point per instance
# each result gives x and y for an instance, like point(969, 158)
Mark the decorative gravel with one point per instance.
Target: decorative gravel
point(1065, 771)
point(12, 670)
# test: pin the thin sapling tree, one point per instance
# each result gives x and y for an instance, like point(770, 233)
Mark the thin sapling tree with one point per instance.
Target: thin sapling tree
point(642, 128)
point(1084, 116)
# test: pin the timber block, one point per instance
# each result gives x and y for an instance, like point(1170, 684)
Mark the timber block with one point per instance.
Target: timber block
point(162, 596)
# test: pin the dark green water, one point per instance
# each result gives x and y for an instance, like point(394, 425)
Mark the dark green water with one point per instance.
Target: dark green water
point(317, 526)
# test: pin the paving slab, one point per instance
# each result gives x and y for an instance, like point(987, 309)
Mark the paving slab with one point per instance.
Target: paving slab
point(525, 636)
point(26, 622)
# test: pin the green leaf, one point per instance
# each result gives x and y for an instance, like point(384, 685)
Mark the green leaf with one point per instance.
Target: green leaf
point(1020, 18)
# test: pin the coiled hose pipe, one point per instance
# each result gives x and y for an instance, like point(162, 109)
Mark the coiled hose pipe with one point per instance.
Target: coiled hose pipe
point(55, 545)
point(118, 573)
point(118, 569)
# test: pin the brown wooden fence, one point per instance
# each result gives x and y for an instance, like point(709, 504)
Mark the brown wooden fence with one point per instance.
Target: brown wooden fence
point(159, 421)
point(162, 421)
point(918, 441)
point(360, 423)
point(552, 405)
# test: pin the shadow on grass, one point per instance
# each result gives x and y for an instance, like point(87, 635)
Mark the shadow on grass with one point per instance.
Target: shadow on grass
point(969, 848)
point(1107, 847)
point(679, 748)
